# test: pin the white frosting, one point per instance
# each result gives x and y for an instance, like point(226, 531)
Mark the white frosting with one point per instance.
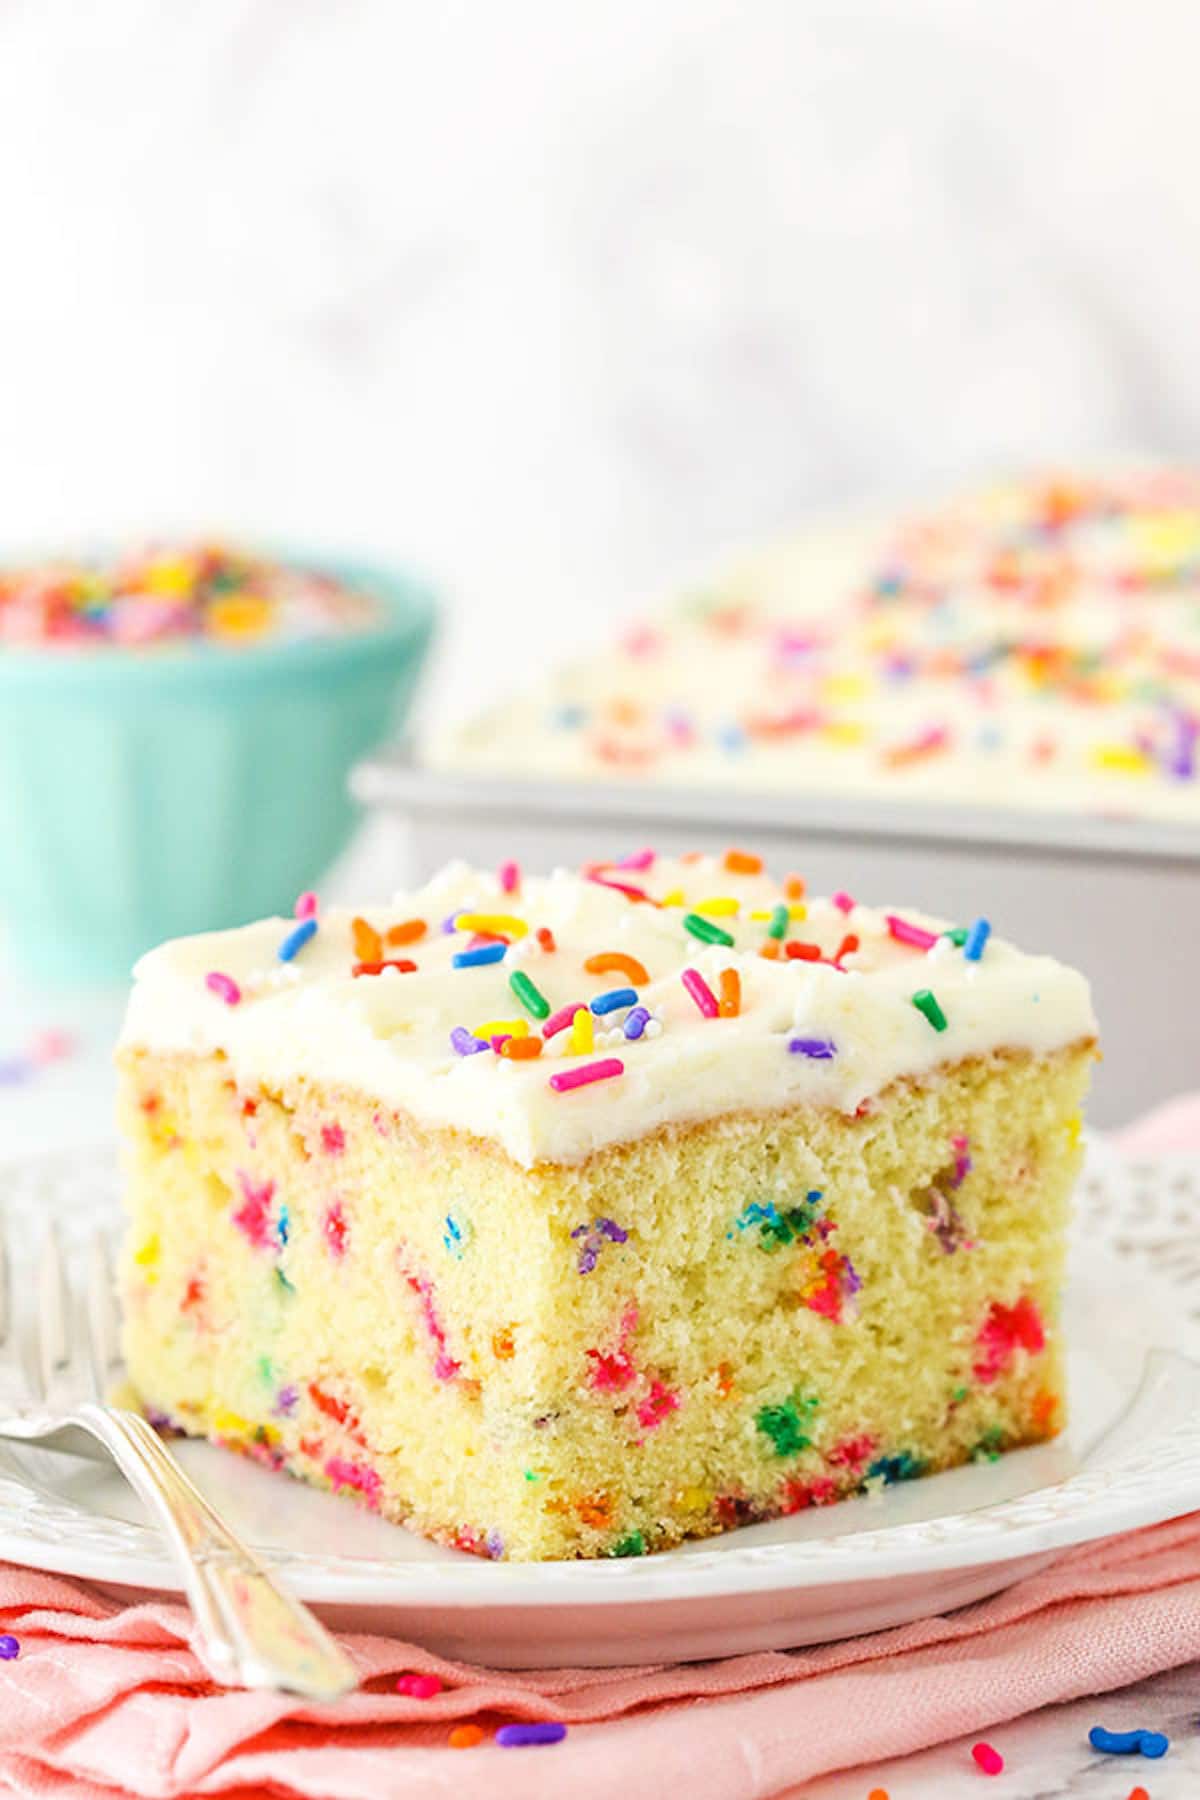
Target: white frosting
point(387, 1036)
point(1041, 629)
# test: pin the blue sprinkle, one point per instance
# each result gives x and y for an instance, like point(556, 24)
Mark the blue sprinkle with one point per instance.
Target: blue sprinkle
point(818, 1049)
point(636, 1021)
point(283, 1226)
point(512, 1737)
point(615, 997)
point(1118, 1743)
point(296, 939)
point(454, 1237)
point(465, 1042)
point(1154, 1744)
point(475, 959)
point(569, 718)
point(975, 940)
point(10, 1647)
point(731, 738)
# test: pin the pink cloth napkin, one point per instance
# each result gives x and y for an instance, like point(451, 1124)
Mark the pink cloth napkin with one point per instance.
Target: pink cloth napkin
point(109, 1701)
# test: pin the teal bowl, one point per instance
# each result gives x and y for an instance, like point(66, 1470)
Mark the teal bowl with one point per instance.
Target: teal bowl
point(147, 794)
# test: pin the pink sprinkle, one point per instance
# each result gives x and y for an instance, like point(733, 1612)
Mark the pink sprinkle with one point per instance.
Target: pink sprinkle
point(641, 859)
point(333, 1139)
point(604, 1070)
point(986, 1758)
point(620, 887)
point(510, 877)
point(701, 993)
point(916, 935)
point(253, 1216)
point(843, 902)
point(361, 1480)
point(558, 1021)
point(444, 1365)
point(418, 1687)
point(306, 905)
point(655, 1407)
point(224, 986)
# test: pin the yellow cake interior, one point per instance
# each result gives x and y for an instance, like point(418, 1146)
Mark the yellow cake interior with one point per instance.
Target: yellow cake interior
point(717, 1322)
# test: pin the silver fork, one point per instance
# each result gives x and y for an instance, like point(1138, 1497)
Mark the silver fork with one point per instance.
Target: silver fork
point(251, 1633)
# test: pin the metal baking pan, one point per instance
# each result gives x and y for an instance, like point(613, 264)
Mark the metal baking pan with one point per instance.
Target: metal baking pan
point(1117, 896)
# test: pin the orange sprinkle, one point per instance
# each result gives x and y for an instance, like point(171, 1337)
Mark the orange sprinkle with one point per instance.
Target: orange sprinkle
point(405, 966)
point(545, 938)
point(502, 1343)
point(878, 1794)
point(742, 862)
point(615, 961)
point(522, 1049)
point(465, 1737)
point(793, 887)
point(368, 945)
point(730, 1003)
point(595, 1509)
point(691, 856)
point(1138, 1793)
point(724, 1376)
point(770, 949)
point(798, 951)
point(408, 933)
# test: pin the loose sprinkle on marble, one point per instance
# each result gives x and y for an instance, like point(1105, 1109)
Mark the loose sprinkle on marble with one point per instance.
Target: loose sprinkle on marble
point(926, 1003)
point(987, 1759)
point(465, 1737)
point(10, 1647)
point(419, 1687)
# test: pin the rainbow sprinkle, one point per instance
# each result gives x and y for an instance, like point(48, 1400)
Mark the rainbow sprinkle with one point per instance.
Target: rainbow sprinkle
point(605, 1070)
point(701, 993)
point(615, 998)
point(926, 1003)
point(296, 939)
point(706, 931)
point(816, 1049)
point(478, 959)
point(223, 986)
point(976, 939)
point(529, 994)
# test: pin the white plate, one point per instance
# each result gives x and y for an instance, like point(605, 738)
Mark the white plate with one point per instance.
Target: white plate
point(1131, 1457)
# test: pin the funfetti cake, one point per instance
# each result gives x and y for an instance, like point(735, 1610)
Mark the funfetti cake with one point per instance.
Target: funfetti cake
point(1036, 644)
point(577, 1216)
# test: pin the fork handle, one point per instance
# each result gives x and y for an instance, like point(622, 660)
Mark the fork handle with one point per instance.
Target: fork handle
point(251, 1633)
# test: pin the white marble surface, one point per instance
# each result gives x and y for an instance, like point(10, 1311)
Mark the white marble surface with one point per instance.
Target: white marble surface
point(1047, 1754)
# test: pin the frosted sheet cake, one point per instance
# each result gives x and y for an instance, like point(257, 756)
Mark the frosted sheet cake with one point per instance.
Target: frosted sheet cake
point(1035, 644)
point(577, 1216)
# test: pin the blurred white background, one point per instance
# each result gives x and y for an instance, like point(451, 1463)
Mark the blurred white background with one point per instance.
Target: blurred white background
point(554, 300)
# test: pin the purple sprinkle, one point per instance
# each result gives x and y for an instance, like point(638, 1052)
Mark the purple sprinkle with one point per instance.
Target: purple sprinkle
point(512, 1737)
point(594, 1236)
point(636, 1021)
point(10, 1647)
point(286, 1401)
point(494, 1544)
point(13, 1070)
point(465, 1042)
point(817, 1049)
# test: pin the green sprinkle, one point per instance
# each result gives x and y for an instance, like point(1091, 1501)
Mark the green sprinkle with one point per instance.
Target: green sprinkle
point(530, 996)
point(958, 936)
point(779, 922)
point(925, 1002)
point(283, 1281)
point(784, 1424)
point(532, 1475)
point(633, 1545)
point(959, 1395)
point(706, 931)
point(989, 1447)
point(266, 1370)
